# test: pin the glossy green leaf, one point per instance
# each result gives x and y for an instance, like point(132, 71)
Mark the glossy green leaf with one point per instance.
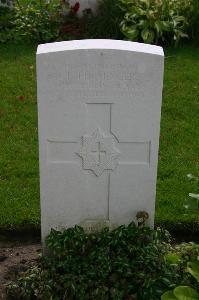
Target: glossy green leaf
point(147, 35)
point(143, 24)
point(130, 32)
point(193, 269)
point(195, 196)
point(172, 258)
point(168, 296)
point(158, 25)
point(166, 25)
point(186, 293)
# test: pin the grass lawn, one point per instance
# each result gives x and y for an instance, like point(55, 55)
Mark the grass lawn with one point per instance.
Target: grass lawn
point(19, 175)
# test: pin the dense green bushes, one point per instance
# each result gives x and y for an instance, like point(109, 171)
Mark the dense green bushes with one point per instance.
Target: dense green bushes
point(40, 21)
point(120, 264)
point(160, 21)
point(190, 10)
point(37, 21)
point(151, 21)
point(127, 263)
point(185, 292)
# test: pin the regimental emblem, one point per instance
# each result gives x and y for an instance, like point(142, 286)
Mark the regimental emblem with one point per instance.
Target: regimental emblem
point(98, 152)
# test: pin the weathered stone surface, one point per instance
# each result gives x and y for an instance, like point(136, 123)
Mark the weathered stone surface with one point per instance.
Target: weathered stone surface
point(99, 118)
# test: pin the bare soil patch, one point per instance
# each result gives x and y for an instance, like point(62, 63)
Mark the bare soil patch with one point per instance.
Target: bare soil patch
point(15, 259)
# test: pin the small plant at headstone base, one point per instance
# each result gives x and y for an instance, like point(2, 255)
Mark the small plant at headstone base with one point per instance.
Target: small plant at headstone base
point(142, 217)
point(125, 263)
point(152, 21)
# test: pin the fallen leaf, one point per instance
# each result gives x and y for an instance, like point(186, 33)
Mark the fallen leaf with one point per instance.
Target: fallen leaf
point(21, 98)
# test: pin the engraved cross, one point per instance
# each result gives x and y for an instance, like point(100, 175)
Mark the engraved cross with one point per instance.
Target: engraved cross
point(99, 152)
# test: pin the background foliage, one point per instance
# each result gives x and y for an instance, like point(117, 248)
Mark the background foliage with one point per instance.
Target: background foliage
point(37, 20)
point(190, 10)
point(151, 21)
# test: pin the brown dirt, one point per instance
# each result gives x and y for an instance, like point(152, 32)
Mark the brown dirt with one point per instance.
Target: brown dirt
point(15, 259)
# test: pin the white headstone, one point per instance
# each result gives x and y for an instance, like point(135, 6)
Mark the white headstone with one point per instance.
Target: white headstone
point(99, 118)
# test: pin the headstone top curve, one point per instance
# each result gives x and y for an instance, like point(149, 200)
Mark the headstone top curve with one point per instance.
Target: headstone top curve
point(99, 44)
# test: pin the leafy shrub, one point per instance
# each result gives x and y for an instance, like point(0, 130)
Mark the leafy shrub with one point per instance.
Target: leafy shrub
point(126, 263)
point(6, 24)
point(190, 10)
point(185, 292)
point(45, 21)
point(37, 20)
point(181, 255)
point(186, 254)
point(152, 21)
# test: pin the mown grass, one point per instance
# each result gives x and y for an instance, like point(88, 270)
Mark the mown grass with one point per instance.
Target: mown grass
point(179, 140)
point(19, 183)
point(19, 175)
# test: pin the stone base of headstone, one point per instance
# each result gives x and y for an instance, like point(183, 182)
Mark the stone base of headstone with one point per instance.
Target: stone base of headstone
point(91, 226)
